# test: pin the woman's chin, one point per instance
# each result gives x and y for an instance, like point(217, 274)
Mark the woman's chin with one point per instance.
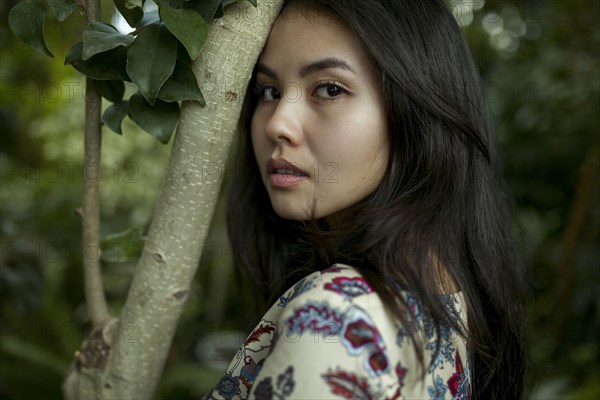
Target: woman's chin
point(292, 214)
point(295, 211)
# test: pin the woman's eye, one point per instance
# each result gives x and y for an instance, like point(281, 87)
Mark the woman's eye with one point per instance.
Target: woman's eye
point(267, 93)
point(329, 91)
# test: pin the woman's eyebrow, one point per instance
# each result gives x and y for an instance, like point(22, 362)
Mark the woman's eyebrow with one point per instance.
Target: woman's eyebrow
point(263, 69)
point(325, 63)
point(316, 66)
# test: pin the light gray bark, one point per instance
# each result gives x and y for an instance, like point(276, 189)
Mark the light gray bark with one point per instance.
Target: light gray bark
point(126, 358)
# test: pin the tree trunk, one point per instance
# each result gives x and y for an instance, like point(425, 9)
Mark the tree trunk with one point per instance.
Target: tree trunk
point(124, 359)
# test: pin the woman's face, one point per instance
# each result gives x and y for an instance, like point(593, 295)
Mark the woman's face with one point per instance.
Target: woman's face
point(318, 132)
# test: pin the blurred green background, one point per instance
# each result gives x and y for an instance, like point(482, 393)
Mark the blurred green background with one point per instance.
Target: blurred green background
point(541, 67)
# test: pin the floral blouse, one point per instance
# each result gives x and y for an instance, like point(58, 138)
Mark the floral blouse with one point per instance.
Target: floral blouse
point(330, 337)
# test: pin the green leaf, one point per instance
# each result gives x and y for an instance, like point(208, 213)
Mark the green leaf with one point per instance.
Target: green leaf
point(99, 37)
point(182, 85)
point(109, 65)
point(125, 245)
point(62, 8)
point(206, 8)
point(169, 3)
point(187, 26)
point(111, 90)
point(151, 59)
point(26, 20)
point(159, 120)
point(113, 116)
point(130, 10)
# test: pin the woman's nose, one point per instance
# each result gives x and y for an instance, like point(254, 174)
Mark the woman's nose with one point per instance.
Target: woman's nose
point(284, 124)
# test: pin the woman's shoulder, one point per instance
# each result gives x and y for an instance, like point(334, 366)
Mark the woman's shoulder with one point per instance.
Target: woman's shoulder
point(335, 314)
point(330, 334)
point(338, 283)
point(339, 300)
point(342, 283)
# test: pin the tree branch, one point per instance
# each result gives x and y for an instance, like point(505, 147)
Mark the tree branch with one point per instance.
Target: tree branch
point(93, 11)
point(90, 213)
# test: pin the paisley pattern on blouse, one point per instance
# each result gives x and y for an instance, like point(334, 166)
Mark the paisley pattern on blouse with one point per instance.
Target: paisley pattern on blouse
point(348, 287)
point(315, 318)
point(331, 337)
point(360, 335)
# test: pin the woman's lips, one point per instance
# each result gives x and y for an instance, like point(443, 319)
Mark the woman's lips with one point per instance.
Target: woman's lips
point(283, 173)
point(285, 180)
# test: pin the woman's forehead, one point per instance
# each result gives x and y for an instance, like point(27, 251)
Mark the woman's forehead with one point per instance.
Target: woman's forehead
point(304, 36)
point(302, 17)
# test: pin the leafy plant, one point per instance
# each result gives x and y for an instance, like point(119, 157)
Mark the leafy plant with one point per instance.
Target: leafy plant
point(155, 56)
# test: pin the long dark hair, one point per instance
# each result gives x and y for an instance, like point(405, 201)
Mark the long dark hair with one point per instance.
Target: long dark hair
point(440, 212)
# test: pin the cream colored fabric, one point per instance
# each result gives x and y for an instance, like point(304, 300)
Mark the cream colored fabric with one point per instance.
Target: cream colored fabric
point(330, 337)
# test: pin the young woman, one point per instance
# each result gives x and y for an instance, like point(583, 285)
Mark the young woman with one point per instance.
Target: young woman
point(367, 203)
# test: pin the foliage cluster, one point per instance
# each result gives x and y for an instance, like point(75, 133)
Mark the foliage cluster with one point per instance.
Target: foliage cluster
point(156, 56)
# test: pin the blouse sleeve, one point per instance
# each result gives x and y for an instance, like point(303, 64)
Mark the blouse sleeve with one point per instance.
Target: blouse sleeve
point(326, 347)
point(335, 339)
point(331, 337)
